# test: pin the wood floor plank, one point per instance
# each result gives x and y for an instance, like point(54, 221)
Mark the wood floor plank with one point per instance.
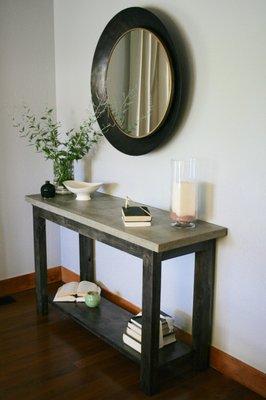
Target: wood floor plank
point(53, 358)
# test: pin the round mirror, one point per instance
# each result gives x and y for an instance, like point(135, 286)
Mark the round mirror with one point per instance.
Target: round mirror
point(139, 83)
point(136, 82)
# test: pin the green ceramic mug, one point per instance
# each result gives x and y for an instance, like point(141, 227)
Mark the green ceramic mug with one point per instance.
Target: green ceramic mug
point(92, 299)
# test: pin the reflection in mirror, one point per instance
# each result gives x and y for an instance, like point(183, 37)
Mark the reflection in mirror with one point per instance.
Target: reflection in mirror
point(139, 83)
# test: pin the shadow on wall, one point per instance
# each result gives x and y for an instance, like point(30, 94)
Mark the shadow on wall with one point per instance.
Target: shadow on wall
point(184, 52)
point(2, 253)
point(109, 187)
point(205, 200)
point(182, 320)
point(87, 169)
point(2, 248)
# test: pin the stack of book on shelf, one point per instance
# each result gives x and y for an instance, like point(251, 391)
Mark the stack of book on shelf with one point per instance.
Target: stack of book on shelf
point(132, 336)
point(136, 216)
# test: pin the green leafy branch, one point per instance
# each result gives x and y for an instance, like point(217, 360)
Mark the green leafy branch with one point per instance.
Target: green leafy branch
point(43, 133)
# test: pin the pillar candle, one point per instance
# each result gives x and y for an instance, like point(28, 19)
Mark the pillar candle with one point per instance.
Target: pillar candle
point(184, 201)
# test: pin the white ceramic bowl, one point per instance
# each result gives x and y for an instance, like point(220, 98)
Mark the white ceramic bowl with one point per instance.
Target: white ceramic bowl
point(82, 189)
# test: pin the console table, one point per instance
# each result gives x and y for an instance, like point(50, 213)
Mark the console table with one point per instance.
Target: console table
point(100, 219)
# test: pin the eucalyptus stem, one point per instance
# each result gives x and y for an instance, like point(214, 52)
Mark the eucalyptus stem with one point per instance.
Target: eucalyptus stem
point(44, 134)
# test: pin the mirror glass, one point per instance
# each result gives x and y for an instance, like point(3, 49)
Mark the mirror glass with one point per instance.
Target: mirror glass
point(139, 83)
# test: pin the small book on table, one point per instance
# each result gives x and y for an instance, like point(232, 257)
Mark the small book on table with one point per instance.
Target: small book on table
point(136, 214)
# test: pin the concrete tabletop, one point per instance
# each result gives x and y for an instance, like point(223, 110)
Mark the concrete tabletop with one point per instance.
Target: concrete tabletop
point(103, 213)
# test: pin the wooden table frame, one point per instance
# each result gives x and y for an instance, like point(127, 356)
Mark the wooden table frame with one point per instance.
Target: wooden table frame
point(152, 261)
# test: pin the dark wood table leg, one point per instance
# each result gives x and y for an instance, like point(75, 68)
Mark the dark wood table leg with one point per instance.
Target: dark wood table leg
point(151, 294)
point(39, 231)
point(86, 258)
point(203, 304)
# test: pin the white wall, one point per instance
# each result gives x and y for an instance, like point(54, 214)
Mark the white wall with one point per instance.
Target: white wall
point(224, 130)
point(26, 75)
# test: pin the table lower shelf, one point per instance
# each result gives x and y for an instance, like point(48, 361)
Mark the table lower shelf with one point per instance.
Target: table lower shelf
point(109, 322)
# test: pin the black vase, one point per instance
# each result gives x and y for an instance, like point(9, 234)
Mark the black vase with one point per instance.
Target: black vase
point(48, 190)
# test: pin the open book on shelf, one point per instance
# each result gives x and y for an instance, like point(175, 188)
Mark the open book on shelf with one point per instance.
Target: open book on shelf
point(75, 291)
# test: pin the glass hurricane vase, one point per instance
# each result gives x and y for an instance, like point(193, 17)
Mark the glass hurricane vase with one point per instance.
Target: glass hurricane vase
point(63, 171)
point(184, 193)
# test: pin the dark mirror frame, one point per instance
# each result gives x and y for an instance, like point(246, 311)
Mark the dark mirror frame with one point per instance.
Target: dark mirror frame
point(130, 18)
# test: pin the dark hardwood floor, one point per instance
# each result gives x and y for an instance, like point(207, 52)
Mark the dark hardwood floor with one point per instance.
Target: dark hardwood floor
point(54, 358)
